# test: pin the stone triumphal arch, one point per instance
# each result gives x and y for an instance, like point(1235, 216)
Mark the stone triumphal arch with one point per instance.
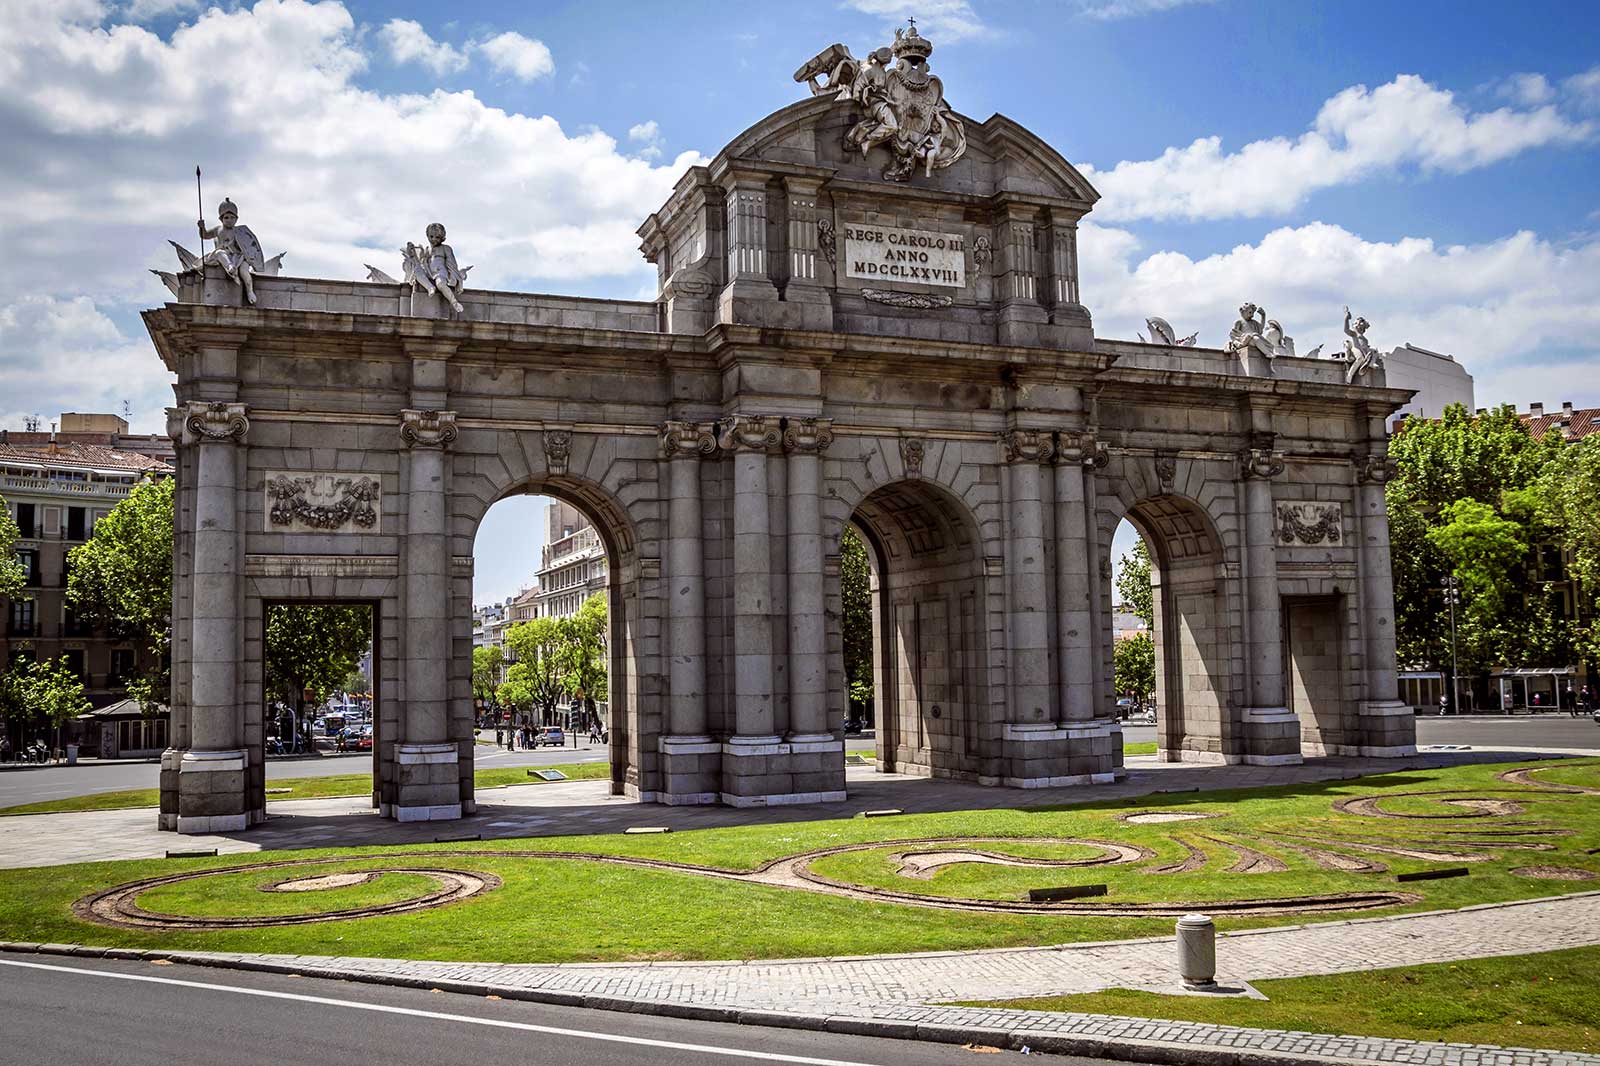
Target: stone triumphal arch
point(869, 314)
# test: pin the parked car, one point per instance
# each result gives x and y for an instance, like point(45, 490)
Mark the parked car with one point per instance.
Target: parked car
point(356, 738)
point(550, 737)
point(1596, 717)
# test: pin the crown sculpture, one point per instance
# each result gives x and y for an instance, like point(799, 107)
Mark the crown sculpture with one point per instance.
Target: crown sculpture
point(902, 107)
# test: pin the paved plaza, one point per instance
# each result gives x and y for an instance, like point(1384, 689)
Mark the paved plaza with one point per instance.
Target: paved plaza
point(576, 808)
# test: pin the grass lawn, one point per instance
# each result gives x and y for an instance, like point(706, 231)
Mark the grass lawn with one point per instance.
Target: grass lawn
point(304, 788)
point(566, 909)
point(1546, 1000)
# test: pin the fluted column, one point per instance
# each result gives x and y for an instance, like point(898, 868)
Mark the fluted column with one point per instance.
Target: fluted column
point(1271, 730)
point(212, 772)
point(804, 440)
point(426, 760)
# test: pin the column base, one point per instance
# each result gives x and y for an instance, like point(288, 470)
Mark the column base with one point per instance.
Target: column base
point(1060, 754)
point(1271, 737)
point(691, 771)
point(766, 771)
point(211, 792)
point(428, 787)
point(1388, 730)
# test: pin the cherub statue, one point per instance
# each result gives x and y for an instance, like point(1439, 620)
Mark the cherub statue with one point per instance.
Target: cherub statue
point(237, 252)
point(1359, 355)
point(434, 268)
point(1248, 332)
point(1282, 344)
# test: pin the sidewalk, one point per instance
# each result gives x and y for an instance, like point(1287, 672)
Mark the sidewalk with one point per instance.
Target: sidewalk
point(899, 995)
point(582, 807)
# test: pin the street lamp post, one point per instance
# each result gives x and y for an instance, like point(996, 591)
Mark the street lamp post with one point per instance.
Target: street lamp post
point(1452, 596)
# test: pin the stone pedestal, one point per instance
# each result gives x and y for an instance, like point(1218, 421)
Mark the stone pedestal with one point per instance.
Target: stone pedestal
point(211, 793)
point(429, 783)
point(1271, 737)
point(691, 771)
point(766, 771)
point(1053, 755)
point(1388, 730)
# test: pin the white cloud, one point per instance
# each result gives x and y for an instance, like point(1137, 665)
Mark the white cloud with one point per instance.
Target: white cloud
point(408, 42)
point(1124, 9)
point(1526, 89)
point(103, 126)
point(1357, 132)
point(521, 57)
point(942, 20)
point(92, 364)
point(649, 135)
point(1521, 314)
point(146, 10)
point(1584, 89)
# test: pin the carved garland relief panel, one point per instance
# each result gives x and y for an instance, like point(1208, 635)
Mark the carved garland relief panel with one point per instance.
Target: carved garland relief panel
point(309, 502)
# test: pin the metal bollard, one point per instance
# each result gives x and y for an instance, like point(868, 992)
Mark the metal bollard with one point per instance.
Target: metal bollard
point(1197, 952)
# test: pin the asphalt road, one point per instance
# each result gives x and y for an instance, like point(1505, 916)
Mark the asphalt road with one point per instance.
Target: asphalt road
point(35, 784)
point(95, 1012)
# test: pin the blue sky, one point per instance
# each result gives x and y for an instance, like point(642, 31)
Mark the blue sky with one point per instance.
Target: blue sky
point(1432, 164)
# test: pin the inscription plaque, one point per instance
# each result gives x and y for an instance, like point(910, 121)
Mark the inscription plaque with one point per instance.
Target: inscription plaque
point(885, 253)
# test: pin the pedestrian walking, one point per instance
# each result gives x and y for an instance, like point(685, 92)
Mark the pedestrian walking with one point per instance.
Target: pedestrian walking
point(1444, 704)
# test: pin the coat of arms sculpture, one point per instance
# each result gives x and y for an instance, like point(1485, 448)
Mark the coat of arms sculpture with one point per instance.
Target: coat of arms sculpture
point(902, 107)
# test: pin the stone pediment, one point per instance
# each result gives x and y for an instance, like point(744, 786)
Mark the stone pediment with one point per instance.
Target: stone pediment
point(1001, 156)
point(793, 225)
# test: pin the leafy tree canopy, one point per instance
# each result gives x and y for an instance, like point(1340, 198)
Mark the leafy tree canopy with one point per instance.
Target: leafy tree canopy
point(11, 572)
point(120, 580)
point(313, 648)
point(1133, 583)
point(1134, 663)
point(486, 665)
point(855, 594)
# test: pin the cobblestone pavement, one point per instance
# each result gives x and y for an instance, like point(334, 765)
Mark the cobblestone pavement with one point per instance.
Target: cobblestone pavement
point(580, 807)
point(900, 994)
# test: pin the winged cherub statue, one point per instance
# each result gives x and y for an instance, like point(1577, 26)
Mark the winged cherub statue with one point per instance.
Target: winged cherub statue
point(433, 268)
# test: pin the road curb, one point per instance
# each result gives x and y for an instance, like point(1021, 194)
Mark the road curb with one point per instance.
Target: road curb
point(1153, 1052)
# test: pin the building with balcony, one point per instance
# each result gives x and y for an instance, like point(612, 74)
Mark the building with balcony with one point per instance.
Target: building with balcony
point(572, 565)
point(56, 492)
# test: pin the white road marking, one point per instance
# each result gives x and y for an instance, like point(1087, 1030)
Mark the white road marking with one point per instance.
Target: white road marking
point(494, 1023)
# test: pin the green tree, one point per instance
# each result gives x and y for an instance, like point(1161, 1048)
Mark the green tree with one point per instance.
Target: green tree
point(535, 678)
point(311, 649)
point(1567, 499)
point(583, 655)
point(855, 596)
point(1462, 500)
point(120, 580)
point(12, 575)
point(1134, 662)
point(486, 665)
point(46, 692)
point(1133, 583)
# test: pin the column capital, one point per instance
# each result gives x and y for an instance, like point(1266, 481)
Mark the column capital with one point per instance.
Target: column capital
point(1027, 445)
point(748, 433)
point(688, 440)
point(1378, 469)
point(807, 435)
point(217, 422)
point(1080, 446)
point(427, 429)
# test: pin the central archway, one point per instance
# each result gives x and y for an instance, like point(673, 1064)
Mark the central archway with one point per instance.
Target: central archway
point(927, 609)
